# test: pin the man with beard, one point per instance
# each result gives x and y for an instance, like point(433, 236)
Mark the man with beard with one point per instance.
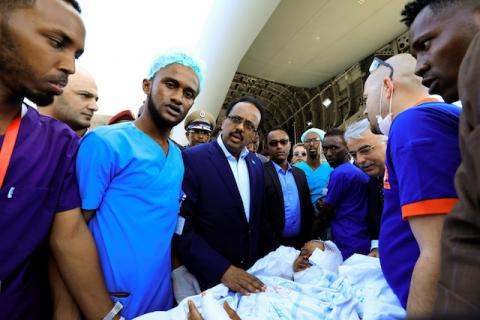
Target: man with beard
point(77, 104)
point(290, 210)
point(346, 203)
point(440, 32)
point(39, 202)
point(130, 177)
point(368, 151)
point(318, 174)
point(224, 230)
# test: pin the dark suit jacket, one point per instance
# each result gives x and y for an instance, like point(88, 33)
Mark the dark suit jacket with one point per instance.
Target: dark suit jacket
point(216, 233)
point(276, 206)
point(375, 205)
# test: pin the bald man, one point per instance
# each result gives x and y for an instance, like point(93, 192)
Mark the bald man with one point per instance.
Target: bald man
point(78, 103)
point(421, 159)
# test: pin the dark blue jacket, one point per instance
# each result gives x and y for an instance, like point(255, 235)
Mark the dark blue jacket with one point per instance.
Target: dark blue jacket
point(216, 232)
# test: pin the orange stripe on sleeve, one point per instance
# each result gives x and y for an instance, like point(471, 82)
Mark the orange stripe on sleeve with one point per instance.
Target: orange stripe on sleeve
point(426, 207)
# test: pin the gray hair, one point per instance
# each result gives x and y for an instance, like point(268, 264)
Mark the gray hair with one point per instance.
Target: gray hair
point(358, 129)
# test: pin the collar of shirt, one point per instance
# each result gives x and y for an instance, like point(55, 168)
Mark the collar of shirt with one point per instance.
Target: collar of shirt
point(280, 169)
point(227, 153)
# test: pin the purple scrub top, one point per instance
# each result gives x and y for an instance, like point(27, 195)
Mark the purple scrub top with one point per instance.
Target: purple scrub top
point(40, 182)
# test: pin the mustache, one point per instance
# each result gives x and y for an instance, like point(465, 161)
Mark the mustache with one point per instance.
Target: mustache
point(366, 164)
point(238, 133)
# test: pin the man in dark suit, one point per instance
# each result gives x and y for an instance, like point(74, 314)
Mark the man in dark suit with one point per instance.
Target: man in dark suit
point(290, 209)
point(224, 230)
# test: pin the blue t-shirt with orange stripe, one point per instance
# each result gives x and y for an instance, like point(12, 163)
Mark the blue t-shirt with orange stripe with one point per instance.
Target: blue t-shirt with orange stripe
point(422, 157)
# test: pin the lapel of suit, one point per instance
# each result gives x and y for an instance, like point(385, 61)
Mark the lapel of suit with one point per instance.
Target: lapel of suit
point(272, 171)
point(296, 177)
point(222, 166)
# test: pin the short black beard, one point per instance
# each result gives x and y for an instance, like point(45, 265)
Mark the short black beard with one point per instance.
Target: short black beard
point(13, 68)
point(160, 123)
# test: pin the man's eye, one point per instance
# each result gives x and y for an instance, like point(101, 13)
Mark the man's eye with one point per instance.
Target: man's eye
point(188, 94)
point(170, 85)
point(56, 43)
point(426, 45)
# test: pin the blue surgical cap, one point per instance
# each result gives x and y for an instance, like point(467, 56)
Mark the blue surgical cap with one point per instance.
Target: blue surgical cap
point(319, 132)
point(166, 59)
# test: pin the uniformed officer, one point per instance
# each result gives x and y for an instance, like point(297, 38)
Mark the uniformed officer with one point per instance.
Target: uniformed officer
point(198, 127)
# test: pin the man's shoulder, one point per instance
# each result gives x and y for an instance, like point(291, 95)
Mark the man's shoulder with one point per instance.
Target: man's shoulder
point(199, 149)
point(113, 134)
point(430, 112)
point(349, 171)
point(298, 171)
point(55, 130)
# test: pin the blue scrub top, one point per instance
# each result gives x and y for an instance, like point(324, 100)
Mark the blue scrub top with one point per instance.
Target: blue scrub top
point(423, 155)
point(348, 194)
point(317, 179)
point(125, 176)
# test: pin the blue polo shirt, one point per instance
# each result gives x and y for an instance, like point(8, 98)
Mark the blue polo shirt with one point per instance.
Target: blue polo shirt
point(40, 182)
point(134, 187)
point(422, 157)
point(348, 194)
point(317, 179)
point(291, 201)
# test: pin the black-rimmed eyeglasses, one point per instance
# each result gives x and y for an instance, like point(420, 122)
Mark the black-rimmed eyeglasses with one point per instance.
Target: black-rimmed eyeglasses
point(377, 62)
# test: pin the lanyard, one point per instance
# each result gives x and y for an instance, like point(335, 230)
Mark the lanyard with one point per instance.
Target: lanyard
point(8, 145)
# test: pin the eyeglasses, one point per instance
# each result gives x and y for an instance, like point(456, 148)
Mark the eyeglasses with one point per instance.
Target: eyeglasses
point(363, 150)
point(247, 124)
point(377, 62)
point(313, 140)
point(274, 143)
point(298, 154)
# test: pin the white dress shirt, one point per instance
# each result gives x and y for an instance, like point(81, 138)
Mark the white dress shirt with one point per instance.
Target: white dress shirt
point(240, 173)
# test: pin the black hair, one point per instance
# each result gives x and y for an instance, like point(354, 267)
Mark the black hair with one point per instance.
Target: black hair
point(413, 8)
point(248, 99)
point(336, 132)
point(277, 129)
point(8, 5)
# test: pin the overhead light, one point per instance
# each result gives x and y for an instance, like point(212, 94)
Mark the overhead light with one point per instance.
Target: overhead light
point(326, 102)
point(309, 123)
point(361, 1)
point(289, 62)
point(317, 38)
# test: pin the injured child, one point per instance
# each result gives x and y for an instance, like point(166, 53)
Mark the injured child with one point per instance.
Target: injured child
point(313, 283)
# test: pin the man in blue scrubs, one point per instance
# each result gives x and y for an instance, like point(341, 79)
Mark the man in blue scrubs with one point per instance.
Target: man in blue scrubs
point(346, 203)
point(130, 177)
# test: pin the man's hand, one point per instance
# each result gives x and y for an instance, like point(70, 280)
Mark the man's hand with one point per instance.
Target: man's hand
point(241, 281)
point(194, 314)
point(373, 253)
point(184, 284)
point(320, 204)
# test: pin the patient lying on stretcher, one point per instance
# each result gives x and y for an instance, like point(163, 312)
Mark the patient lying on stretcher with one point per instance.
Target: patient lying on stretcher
point(319, 254)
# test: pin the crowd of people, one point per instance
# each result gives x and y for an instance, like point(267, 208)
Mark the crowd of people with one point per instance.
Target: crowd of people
point(120, 221)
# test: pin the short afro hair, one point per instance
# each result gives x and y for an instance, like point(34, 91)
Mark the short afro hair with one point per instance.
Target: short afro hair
point(413, 8)
point(248, 99)
point(336, 132)
point(8, 5)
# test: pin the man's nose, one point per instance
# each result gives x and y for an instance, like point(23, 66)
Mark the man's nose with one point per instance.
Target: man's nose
point(421, 67)
point(176, 96)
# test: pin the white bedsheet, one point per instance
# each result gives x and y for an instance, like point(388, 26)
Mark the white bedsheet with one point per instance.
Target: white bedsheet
point(359, 291)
